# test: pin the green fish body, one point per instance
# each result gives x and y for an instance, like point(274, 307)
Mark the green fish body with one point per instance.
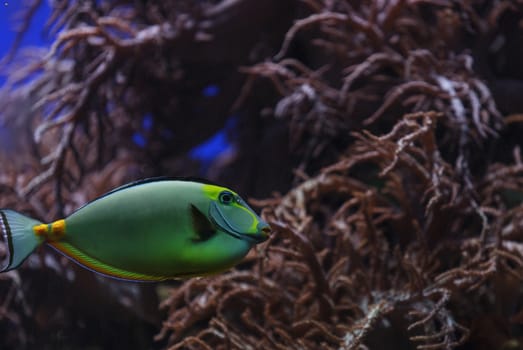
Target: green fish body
point(150, 230)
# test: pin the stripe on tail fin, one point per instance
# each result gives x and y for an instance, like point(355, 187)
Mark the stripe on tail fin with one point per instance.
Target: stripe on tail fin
point(18, 235)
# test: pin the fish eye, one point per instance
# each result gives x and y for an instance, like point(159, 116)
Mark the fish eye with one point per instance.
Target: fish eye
point(226, 197)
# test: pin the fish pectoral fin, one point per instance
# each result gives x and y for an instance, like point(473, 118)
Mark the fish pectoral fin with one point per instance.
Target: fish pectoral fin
point(203, 227)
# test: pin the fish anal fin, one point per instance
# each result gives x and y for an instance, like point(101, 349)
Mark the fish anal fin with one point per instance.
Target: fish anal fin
point(95, 265)
point(202, 226)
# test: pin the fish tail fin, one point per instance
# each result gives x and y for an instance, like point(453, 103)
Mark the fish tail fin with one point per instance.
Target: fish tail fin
point(18, 237)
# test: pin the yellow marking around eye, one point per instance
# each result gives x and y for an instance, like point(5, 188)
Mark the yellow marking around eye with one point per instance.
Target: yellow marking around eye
point(57, 230)
point(41, 230)
point(213, 191)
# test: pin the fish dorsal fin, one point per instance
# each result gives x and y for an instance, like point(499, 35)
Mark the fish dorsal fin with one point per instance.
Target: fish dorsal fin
point(158, 179)
point(202, 226)
point(149, 180)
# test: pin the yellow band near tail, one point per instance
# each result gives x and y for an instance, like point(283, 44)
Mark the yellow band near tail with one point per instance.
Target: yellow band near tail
point(57, 230)
point(51, 232)
point(41, 230)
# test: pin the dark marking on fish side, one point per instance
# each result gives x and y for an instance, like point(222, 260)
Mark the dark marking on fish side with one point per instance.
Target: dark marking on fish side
point(201, 224)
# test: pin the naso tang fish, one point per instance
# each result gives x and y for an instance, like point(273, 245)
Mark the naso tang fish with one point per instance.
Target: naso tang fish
point(149, 230)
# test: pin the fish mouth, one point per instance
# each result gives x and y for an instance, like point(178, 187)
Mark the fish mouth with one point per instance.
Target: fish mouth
point(258, 237)
point(261, 235)
point(255, 238)
point(264, 232)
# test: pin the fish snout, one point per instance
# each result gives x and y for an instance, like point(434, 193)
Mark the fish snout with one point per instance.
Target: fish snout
point(264, 231)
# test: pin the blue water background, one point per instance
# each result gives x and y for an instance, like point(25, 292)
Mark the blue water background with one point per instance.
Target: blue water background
point(10, 18)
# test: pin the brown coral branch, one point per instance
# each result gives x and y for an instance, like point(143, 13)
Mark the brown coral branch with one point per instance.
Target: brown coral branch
point(303, 23)
point(354, 338)
point(323, 292)
point(411, 86)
